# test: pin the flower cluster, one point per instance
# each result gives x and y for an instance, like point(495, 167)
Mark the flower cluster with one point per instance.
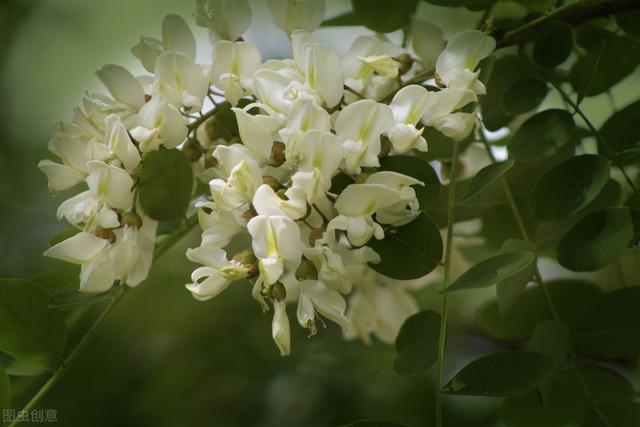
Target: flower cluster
point(301, 122)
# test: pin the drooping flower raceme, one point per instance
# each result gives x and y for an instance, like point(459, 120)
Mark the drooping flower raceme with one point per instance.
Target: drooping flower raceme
point(297, 126)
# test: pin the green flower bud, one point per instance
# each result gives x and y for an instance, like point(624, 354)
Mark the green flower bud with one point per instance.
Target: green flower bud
point(192, 149)
point(278, 292)
point(245, 257)
point(271, 182)
point(209, 160)
point(217, 129)
point(405, 62)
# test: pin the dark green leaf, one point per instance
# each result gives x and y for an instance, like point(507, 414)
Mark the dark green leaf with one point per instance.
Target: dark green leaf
point(629, 21)
point(616, 414)
point(373, 423)
point(509, 290)
point(598, 239)
point(569, 187)
point(523, 96)
point(599, 74)
point(75, 297)
point(508, 373)
point(567, 404)
point(542, 135)
point(340, 182)
point(477, 5)
point(506, 70)
point(538, 5)
point(446, 3)
point(345, 20)
point(410, 251)
point(417, 343)
point(165, 184)
point(611, 329)
point(531, 308)
point(485, 177)
point(553, 44)
point(5, 389)
point(17, 368)
point(64, 235)
point(384, 16)
point(621, 131)
point(551, 337)
point(440, 146)
point(419, 169)
point(31, 332)
point(492, 270)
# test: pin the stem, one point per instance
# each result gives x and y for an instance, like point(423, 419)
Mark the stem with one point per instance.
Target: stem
point(594, 131)
point(447, 272)
point(203, 118)
point(91, 332)
point(538, 276)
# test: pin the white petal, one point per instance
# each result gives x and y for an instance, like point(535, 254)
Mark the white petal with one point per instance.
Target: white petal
point(79, 249)
point(280, 329)
point(122, 85)
point(61, 177)
point(177, 37)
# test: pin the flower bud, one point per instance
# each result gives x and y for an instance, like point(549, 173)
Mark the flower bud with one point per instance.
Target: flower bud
point(249, 213)
point(271, 182)
point(245, 257)
point(278, 292)
point(131, 219)
point(405, 62)
point(306, 270)
point(104, 233)
point(277, 154)
point(216, 129)
point(192, 149)
point(209, 160)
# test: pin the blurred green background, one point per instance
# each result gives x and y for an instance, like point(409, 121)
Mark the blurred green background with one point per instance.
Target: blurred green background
point(164, 359)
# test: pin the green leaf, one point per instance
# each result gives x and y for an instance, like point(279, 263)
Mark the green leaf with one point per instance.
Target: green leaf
point(485, 177)
point(5, 389)
point(416, 168)
point(477, 5)
point(384, 16)
point(553, 44)
point(629, 21)
point(611, 328)
point(345, 20)
point(566, 404)
point(537, 5)
point(17, 368)
point(507, 69)
point(604, 48)
point(542, 135)
point(502, 374)
point(410, 251)
point(551, 337)
point(598, 239)
point(373, 423)
point(75, 297)
point(339, 182)
point(617, 414)
point(64, 235)
point(492, 270)
point(417, 343)
point(531, 308)
point(446, 3)
point(523, 96)
point(509, 290)
point(621, 131)
point(165, 184)
point(31, 332)
point(440, 146)
point(569, 187)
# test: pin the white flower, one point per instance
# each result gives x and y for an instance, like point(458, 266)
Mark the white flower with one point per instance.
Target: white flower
point(315, 296)
point(110, 184)
point(280, 329)
point(215, 276)
point(60, 177)
point(455, 65)
point(404, 210)
point(290, 15)
point(122, 85)
point(218, 226)
point(147, 50)
point(267, 202)
point(383, 65)
point(319, 156)
point(407, 106)
point(439, 112)
point(330, 267)
point(243, 178)
point(257, 132)
point(355, 205)
point(177, 37)
point(181, 81)
point(132, 253)
point(304, 115)
point(225, 19)
point(233, 68)
point(118, 140)
point(359, 126)
point(159, 123)
point(276, 240)
point(427, 41)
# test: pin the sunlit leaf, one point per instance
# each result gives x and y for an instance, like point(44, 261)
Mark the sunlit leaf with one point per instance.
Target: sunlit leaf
point(485, 177)
point(75, 297)
point(492, 270)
